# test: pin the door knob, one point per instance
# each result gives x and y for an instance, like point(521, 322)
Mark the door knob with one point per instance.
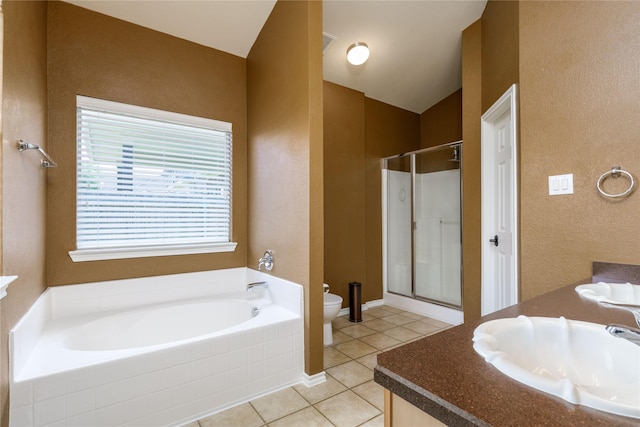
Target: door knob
point(494, 240)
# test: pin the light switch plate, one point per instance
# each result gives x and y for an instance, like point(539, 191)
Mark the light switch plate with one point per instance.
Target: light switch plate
point(561, 184)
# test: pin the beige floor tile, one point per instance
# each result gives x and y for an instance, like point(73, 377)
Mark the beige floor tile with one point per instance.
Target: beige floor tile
point(375, 422)
point(398, 319)
point(370, 360)
point(239, 416)
point(339, 337)
point(355, 349)
point(347, 409)
point(333, 357)
point(437, 323)
point(413, 316)
point(399, 345)
point(308, 417)
point(421, 327)
point(357, 331)
point(319, 392)
point(372, 392)
point(349, 363)
point(366, 316)
point(379, 325)
point(380, 341)
point(380, 312)
point(341, 322)
point(279, 404)
point(402, 334)
point(351, 374)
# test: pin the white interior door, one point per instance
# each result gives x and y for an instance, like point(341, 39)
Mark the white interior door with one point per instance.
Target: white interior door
point(499, 205)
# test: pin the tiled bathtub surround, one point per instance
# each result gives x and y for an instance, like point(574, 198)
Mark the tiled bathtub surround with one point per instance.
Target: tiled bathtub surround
point(349, 397)
point(165, 384)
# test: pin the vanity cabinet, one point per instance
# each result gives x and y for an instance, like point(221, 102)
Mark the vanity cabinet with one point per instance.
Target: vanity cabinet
point(440, 380)
point(400, 413)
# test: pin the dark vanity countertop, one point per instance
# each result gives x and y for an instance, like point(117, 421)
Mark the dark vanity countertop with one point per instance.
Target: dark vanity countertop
point(442, 374)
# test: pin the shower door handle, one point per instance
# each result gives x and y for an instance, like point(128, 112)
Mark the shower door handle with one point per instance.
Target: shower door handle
point(494, 240)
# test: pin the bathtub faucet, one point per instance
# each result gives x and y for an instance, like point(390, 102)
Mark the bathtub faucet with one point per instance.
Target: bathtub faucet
point(266, 261)
point(264, 285)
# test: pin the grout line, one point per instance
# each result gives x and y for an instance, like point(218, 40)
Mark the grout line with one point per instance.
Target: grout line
point(351, 359)
point(264, 423)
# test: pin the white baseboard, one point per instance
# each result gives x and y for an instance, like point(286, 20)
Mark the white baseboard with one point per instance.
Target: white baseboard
point(374, 303)
point(315, 379)
point(366, 306)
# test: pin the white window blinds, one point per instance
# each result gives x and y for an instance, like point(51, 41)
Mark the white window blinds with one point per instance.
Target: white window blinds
point(150, 178)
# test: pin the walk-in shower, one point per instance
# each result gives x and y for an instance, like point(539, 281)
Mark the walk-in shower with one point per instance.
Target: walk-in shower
point(422, 231)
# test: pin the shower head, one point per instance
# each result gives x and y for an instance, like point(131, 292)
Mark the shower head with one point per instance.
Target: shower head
point(455, 155)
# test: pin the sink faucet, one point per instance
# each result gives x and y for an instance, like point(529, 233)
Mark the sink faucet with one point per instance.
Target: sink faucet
point(266, 261)
point(626, 332)
point(629, 334)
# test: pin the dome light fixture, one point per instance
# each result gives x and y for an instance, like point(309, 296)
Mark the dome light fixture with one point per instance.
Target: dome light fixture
point(358, 53)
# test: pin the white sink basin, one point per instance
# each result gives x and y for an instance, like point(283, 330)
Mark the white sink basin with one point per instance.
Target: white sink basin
point(577, 361)
point(612, 293)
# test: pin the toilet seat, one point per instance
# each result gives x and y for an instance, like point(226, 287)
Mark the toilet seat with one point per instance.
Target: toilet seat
point(332, 299)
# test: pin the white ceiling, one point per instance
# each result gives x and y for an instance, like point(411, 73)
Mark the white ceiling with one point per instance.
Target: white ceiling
point(415, 45)
point(416, 48)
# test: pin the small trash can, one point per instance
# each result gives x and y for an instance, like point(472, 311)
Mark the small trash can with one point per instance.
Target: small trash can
point(355, 302)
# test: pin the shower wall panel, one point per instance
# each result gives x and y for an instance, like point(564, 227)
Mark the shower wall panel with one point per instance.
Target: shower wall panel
point(399, 232)
point(423, 248)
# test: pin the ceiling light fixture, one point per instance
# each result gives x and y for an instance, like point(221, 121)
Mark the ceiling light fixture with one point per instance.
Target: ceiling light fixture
point(358, 53)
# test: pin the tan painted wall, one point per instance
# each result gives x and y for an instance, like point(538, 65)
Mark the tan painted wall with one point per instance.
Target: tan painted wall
point(580, 114)
point(579, 109)
point(442, 123)
point(344, 184)
point(490, 65)
point(358, 132)
point(500, 47)
point(23, 181)
point(284, 86)
point(94, 55)
point(471, 202)
point(388, 130)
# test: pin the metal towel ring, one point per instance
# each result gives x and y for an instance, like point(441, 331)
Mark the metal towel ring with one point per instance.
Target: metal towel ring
point(616, 172)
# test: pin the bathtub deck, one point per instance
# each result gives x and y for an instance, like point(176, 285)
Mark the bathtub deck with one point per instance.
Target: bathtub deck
point(62, 379)
point(51, 357)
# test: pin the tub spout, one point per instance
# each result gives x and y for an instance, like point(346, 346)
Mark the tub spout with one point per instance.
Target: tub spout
point(263, 285)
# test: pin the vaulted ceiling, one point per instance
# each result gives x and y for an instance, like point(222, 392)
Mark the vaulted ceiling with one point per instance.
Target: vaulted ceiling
point(415, 45)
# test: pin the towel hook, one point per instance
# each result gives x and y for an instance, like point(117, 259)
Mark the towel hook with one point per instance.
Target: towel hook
point(47, 162)
point(616, 172)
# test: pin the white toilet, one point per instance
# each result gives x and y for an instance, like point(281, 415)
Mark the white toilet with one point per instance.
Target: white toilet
point(332, 306)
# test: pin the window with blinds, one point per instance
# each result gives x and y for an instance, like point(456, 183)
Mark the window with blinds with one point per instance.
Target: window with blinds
point(148, 180)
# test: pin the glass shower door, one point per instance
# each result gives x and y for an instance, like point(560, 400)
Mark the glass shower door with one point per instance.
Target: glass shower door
point(436, 231)
point(399, 206)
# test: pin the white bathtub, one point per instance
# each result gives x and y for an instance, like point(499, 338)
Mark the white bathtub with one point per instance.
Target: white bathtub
point(155, 351)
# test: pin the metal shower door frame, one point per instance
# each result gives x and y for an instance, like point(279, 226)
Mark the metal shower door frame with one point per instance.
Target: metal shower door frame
point(413, 155)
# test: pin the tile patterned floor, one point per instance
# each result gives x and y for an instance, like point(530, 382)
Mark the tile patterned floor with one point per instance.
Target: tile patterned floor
point(349, 397)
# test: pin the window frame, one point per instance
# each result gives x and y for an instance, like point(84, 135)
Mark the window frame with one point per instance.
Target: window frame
point(152, 250)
